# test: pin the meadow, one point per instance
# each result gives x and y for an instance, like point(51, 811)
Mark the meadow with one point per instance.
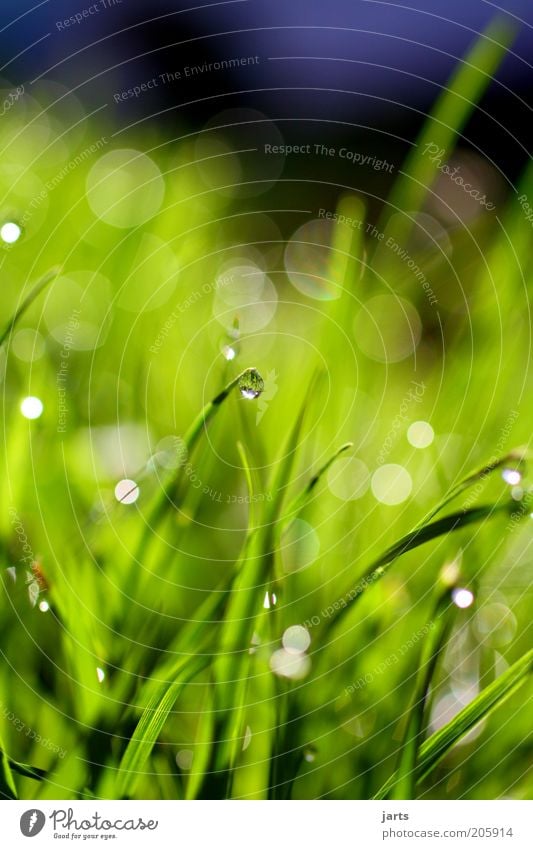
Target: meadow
point(266, 491)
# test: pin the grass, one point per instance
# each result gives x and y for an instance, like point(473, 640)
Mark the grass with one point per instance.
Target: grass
point(155, 667)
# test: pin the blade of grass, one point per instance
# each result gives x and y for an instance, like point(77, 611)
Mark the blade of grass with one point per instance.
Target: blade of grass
point(244, 607)
point(492, 697)
point(447, 121)
point(301, 500)
point(444, 614)
point(516, 456)
point(346, 248)
point(169, 493)
point(410, 541)
point(8, 789)
point(27, 302)
point(152, 721)
point(28, 771)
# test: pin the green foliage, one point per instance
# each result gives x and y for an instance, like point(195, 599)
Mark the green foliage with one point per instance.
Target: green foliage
point(150, 670)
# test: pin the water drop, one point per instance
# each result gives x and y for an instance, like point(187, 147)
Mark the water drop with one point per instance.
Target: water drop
point(10, 232)
point(100, 674)
point(126, 491)
point(229, 353)
point(44, 606)
point(309, 754)
point(511, 476)
point(251, 384)
point(462, 598)
point(31, 407)
point(33, 592)
point(270, 600)
point(247, 738)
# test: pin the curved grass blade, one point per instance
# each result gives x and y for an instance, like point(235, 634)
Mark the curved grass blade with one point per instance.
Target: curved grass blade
point(447, 121)
point(169, 493)
point(404, 787)
point(346, 248)
point(28, 771)
point(152, 721)
point(249, 585)
point(252, 518)
point(410, 541)
point(516, 456)
point(492, 697)
point(8, 789)
point(27, 302)
point(301, 500)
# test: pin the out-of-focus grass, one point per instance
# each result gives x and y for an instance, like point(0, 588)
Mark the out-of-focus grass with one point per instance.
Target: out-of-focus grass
point(149, 675)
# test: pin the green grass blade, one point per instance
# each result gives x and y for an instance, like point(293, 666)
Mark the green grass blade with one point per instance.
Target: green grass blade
point(404, 787)
point(28, 771)
point(492, 697)
point(410, 541)
point(347, 245)
point(252, 517)
point(27, 302)
point(168, 494)
point(515, 457)
point(282, 471)
point(448, 119)
point(301, 500)
point(8, 789)
point(152, 721)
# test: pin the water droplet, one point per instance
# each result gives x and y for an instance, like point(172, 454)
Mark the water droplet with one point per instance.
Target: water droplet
point(31, 407)
point(10, 232)
point(33, 592)
point(511, 476)
point(100, 674)
point(296, 639)
point(251, 384)
point(256, 640)
point(229, 353)
point(44, 606)
point(126, 491)
point(309, 754)
point(270, 600)
point(247, 738)
point(462, 598)
point(12, 572)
